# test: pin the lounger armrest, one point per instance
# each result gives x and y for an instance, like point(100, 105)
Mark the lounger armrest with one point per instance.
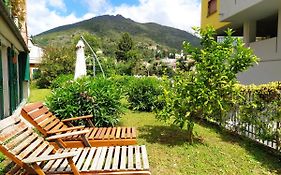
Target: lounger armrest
point(77, 118)
point(50, 157)
point(66, 129)
point(60, 136)
point(87, 118)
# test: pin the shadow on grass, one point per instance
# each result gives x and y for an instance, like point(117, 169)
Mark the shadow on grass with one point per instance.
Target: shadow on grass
point(168, 135)
point(268, 157)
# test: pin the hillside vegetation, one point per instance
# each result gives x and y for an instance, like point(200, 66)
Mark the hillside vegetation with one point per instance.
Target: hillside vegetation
point(110, 28)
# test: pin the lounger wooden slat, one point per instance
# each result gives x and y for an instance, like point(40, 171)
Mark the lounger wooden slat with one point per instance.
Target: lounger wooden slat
point(113, 133)
point(57, 127)
point(8, 121)
point(64, 165)
point(101, 158)
point(39, 149)
point(10, 132)
point(19, 139)
point(107, 134)
point(48, 166)
point(56, 165)
point(41, 118)
point(96, 159)
point(109, 159)
point(47, 121)
point(75, 159)
point(33, 106)
point(144, 157)
point(138, 160)
point(133, 133)
point(24, 144)
point(123, 158)
point(123, 133)
point(129, 131)
point(39, 112)
point(31, 147)
point(36, 156)
point(116, 158)
point(130, 158)
point(101, 136)
point(94, 133)
point(82, 158)
point(89, 159)
point(90, 132)
point(52, 124)
point(118, 132)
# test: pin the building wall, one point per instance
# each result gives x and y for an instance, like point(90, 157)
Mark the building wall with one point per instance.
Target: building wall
point(232, 7)
point(213, 19)
point(10, 37)
point(5, 80)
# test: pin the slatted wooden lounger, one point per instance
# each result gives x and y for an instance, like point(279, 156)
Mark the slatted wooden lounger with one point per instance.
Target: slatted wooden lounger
point(34, 155)
point(48, 124)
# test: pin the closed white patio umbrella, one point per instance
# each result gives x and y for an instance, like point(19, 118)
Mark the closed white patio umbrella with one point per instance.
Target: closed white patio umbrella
point(80, 66)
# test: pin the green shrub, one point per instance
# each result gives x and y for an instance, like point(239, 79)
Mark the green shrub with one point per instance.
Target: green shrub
point(123, 82)
point(143, 93)
point(259, 105)
point(97, 96)
point(60, 80)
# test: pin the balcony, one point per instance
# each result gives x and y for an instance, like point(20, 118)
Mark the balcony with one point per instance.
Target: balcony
point(239, 11)
point(266, 50)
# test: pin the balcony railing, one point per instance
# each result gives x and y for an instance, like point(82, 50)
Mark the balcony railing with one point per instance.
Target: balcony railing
point(266, 50)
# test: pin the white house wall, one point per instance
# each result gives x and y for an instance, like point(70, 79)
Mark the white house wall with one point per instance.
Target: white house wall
point(262, 73)
point(5, 81)
point(6, 33)
point(230, 8)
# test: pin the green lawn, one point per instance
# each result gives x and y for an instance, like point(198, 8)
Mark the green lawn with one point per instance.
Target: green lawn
point(38, 95)
point(214, 151)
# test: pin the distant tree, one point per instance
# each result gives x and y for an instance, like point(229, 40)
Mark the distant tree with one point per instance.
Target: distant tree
point(91, 39)
point(55, 61)
point(125, 45)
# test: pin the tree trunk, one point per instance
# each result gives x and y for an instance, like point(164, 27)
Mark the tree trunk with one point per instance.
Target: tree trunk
point(190, 126)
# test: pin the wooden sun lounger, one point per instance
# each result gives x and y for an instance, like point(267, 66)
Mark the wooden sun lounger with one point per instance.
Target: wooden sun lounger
point(48, 124)
point(34, 155)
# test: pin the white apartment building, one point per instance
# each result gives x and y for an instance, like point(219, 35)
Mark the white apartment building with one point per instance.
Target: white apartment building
point(259, 23)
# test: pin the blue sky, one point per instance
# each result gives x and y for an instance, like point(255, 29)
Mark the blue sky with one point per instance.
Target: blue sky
point(47, 14)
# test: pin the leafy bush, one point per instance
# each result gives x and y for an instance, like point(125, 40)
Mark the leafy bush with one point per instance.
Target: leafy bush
point(60, 80)
point(123, 82)
point(97, 96)
point(207, 91)
point(143, 93)
point(260, 106)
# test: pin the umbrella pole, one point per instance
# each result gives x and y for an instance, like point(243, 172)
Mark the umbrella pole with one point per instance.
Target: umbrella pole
point(94, 56)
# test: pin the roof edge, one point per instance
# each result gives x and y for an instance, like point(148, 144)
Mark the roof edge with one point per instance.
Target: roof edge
point(4, 13)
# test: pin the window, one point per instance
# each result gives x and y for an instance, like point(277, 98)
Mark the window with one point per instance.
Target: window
point(212, 6)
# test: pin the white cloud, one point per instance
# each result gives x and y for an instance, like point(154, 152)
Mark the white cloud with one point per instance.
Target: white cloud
point(182, 14)
point(97, 6)
point(57, 4)
point(41, 18)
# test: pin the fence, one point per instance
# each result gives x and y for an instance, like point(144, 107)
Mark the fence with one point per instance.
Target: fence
point(257, 115)
point(251, 131)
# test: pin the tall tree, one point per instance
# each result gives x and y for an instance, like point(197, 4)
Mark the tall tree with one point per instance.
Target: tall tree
point(209, 90)
point(125, 45)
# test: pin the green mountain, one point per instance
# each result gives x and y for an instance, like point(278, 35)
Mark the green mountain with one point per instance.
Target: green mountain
point(112, 27)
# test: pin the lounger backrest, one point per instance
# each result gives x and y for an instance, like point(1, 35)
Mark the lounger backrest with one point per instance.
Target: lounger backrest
point(41, 118)
point(18, 141)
